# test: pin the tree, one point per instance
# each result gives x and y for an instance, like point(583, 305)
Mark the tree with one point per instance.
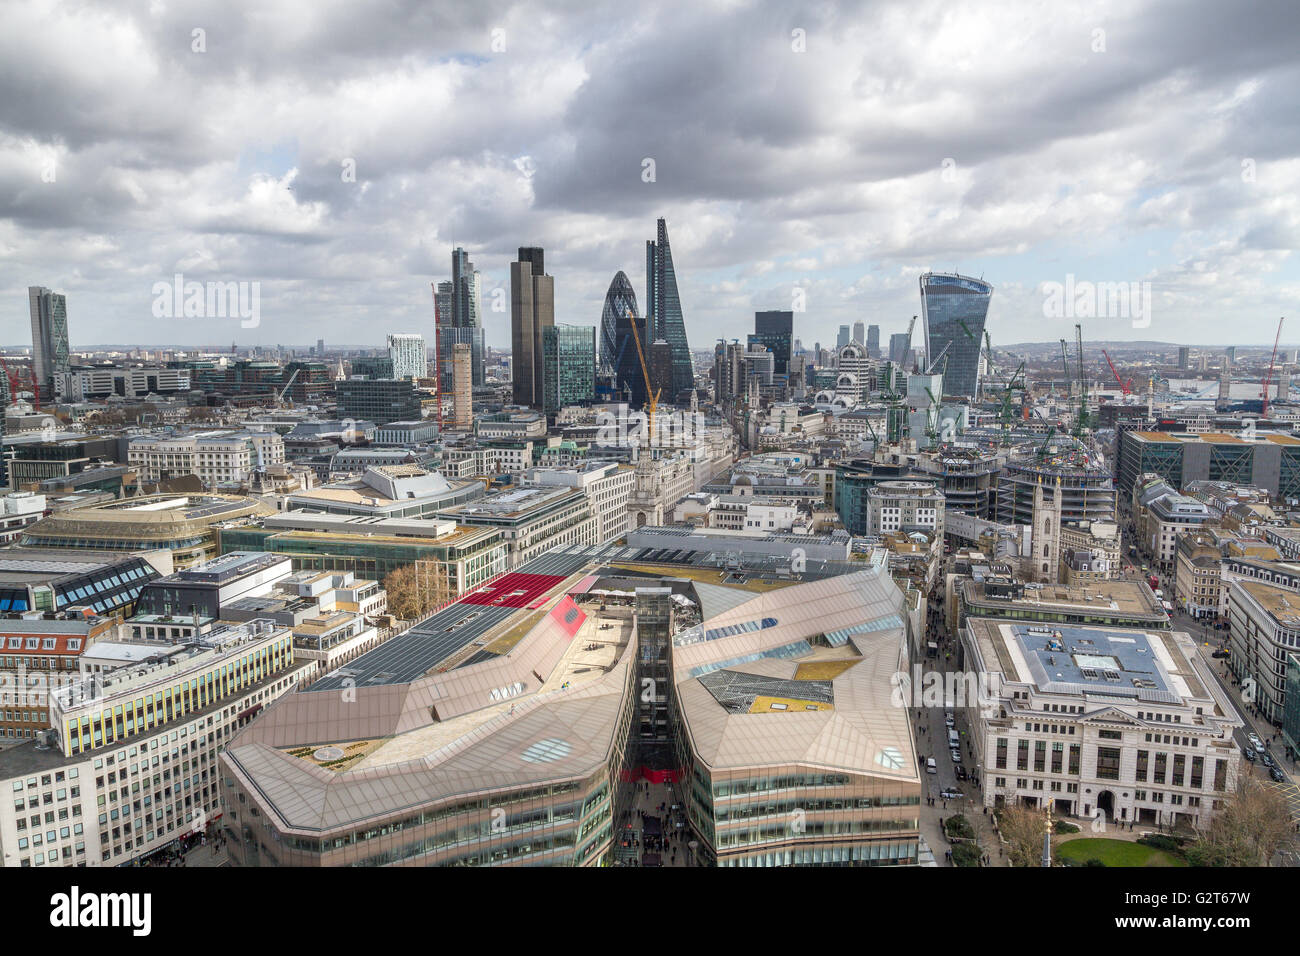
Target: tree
point(415, 589)
point(1023, 830)
point(1247, 829)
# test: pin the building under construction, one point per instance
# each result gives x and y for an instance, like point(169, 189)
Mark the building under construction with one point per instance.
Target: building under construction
point(1087, 489)
point(967, 477)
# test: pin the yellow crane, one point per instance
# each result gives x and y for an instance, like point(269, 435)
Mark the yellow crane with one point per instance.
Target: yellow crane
point(651, 396)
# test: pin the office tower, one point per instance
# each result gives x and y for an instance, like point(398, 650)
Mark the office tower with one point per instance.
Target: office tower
point(410, 360)
point(860, 333)
point(1184, 357)
point(462, 389)
point(660, 361)
point(664, 310)
point(842, 339)
point(900, 344)
point(629, 378)
point(728, 371)
point(873, 341)
point(466, 286)
point(382, 401)
point(1230, 353)
point(953, 309)
point(532, 309)
point(320, 347)
point(619, 300)
point(570, 366)
point(776, 331)
point(442, 305)
point(49, 311)
point(451, 336)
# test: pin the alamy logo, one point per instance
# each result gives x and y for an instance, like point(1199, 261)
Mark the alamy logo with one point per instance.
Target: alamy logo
point(1098, 300)
point(76, 909)
point(208, 300)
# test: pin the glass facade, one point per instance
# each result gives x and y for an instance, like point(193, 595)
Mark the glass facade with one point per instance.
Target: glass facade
point(776, 331)
point(569, 362)
point(664, 310)
point(619, 301)
point(954, 308)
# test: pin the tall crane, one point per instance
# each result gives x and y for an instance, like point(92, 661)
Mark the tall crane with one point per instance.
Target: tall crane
point(437, 355)
point(1263, 412)
point(1081, 420)
point(1125, 387)
point(652, 394)
point(13, 379)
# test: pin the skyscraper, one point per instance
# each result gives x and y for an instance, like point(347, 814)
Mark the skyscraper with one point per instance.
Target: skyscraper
point(954, 308)
point(842, 339)
point(410, 360)
point(532, 309)
point(49, 311)
point(630, 378)
point(664, 310)
point(860, 333)
point(775, 329)
point(465, 285)
point(873, 341)
point(619, 300)
point(900, 344)
point(570, 365)
point(462, 377)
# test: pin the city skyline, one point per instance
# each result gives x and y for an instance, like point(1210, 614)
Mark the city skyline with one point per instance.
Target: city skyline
point(844, 176)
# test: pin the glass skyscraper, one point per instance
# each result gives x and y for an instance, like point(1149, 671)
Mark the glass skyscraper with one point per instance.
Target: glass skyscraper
point(619, 300)
point(49, 314)
point(775, 329)
point(664, 310)
point(954, 308)
point(569, 361)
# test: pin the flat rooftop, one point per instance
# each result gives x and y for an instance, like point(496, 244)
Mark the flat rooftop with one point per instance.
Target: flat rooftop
point(1122, 597)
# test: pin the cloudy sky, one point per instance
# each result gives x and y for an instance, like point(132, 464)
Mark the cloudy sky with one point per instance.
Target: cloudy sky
point(832, 149)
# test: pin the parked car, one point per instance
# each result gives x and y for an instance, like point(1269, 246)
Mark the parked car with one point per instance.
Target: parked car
point(956, 756)
point(1255, 741)
point(1249, 754)
point(949, 719)
point(960, 772)
point(1277, 774)
point(950, 793)
point(1266, 759)
point(930, 765)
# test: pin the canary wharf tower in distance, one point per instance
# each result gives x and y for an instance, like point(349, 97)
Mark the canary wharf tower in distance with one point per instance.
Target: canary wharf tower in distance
point(954, 307)
point(663, 309)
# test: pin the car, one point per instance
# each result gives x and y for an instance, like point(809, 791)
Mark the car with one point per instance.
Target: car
point(1266, 760)
point(1255, 741)
point(960, 772)
point(950, 793)
point(1277, 774)
point(1248, 753)
point(956, 756)
point(930, 766)
point(949, 719)
point(1220, 654)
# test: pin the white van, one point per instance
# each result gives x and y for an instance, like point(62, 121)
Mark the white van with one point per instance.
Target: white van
point(953, 739)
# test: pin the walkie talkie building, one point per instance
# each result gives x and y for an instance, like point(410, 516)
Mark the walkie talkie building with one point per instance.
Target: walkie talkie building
point(954, 308)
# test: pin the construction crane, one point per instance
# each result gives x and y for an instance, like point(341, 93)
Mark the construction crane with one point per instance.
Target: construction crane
point(13, 379)
point(1081, 420)
point(288, 385)
point(1042, 449)
point(652, 394)
point(1015, 382)
point(1125, 387)
point(437, 355)
point(1263, 412)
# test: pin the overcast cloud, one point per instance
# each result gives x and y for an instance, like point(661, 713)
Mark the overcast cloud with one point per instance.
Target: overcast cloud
point(1024, 142)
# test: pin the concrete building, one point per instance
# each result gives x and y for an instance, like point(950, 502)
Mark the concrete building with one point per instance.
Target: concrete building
point(215, 457)
point(904, 506)
point(607, 486)
point(1117, 724)
point(532, 521)
point(130, 763)
point(1263, 628)
point(462, 378)
point(407, 352)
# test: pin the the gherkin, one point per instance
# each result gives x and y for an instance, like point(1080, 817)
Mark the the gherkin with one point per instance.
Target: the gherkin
point(619, 300)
